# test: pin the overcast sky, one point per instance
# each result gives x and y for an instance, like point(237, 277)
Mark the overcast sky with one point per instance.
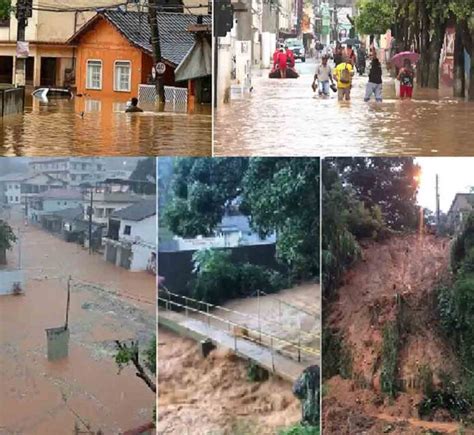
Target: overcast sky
point(456, 175)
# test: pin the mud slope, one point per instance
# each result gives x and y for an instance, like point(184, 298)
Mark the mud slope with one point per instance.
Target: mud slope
point(406, 268)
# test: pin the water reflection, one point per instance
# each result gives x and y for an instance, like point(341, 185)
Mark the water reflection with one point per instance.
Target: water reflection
point(285, 118)
point(86, 127)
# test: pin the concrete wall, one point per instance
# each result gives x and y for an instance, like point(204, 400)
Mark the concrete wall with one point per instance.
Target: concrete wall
point(12, 102)
point(177, 267)
point(8, 278)
point(144, 230)
point(141, 256)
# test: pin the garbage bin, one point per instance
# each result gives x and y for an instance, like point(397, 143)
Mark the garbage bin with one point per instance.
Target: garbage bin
point(58, 343)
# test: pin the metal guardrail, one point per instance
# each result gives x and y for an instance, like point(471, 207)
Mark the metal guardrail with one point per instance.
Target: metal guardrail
point(271, 339)
point(176, 98)
point(279, 323)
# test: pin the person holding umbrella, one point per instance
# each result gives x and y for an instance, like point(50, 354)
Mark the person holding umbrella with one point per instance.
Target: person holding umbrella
point(407, 79)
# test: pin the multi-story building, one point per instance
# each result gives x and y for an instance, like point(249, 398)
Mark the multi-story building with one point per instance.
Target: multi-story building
point(462, 206)
point(72, 170)
point(10, 188)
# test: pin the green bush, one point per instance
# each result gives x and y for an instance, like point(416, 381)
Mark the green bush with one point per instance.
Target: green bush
point(390, 348)
point(337, 358)
point(255, 373)
point(217, 278)
point(300, 430)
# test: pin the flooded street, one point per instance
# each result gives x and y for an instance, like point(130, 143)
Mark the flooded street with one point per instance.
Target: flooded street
point(107, 303)
point(58, 128)
point(284, 117)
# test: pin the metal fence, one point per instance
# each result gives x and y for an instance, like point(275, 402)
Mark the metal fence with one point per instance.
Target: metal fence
point(176, 98)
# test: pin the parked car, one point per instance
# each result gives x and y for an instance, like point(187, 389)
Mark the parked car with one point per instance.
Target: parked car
point(46, 94)
point(297, 47)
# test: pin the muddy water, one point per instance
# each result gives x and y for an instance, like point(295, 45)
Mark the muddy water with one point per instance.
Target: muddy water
point(284, 117)
point(42, 397)
point(202, 396)
point(215, 391)
point(57, 128)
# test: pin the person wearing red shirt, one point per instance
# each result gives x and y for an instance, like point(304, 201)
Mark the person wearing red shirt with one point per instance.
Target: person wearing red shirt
point(275, 57)
point(291, 57)
point(282, 63)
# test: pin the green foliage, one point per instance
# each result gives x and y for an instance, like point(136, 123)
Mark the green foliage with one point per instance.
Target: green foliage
point(337, 358)
point(5, 9)
point(375, 16)
point(126, 354)
point(255, 373)
point(425, 375)
point(7, 236)
point(278, 194)
point(282, 195)
point(145, 172)
point(390, 348)
point(455, 404)
point(217, 278)
point(300, 430)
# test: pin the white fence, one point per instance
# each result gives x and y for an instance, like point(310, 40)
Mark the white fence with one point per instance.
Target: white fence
point(176, 98)
point(9, 279)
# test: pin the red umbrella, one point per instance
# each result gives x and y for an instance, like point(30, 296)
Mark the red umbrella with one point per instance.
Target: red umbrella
point(399, 58)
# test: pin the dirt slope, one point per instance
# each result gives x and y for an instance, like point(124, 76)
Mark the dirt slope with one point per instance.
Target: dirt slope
point(409, 266)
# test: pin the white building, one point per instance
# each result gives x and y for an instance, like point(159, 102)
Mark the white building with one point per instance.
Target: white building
point(72, 170)
point(132, 237)
point(233, 231)
point(10, 188)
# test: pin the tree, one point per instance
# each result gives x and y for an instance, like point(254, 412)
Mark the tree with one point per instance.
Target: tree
point(145, 176)
point(278, 194)
point(282, 195)
point(5, 9)
point(7, 239)
point(145, 365)
point(375, 16)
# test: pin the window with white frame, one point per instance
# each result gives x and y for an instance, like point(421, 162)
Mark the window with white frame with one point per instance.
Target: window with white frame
point(122, 76)
point(94, 74)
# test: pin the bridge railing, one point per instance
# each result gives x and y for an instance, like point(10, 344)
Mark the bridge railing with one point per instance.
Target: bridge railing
point(301, 334)
point(271, 341)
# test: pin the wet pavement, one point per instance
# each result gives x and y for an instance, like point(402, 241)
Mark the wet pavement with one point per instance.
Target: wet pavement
point(107, 303)
point(285, 118)
point(57, 128)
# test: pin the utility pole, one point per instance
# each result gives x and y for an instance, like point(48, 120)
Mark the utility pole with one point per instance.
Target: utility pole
point(90, 220)
point(156, 46)
point(24, 10)
point(437, 203)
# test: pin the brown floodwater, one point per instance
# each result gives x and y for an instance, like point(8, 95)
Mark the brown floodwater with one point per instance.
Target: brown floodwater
point(39, 397)
point(285, 118)
point(56, 128)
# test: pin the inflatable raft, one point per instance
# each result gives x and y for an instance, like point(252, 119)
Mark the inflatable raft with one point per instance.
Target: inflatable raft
point(291, 73)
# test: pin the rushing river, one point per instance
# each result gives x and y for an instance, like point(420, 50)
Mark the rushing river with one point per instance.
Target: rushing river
point(85, 127)
point(285, 118)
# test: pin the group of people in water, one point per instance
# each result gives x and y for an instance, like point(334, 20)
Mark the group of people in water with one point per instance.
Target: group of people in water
point(283, 58)
point(339, 78)
point(346, 62)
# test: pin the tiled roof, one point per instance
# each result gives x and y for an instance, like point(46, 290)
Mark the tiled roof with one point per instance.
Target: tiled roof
point(70, 213)
point(137, 212)
point(14, 177)
point(175, 40)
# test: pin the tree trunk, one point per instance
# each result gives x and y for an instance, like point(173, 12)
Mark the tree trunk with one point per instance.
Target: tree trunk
point(3, 257)
point(436, 44)
point(423, 70)
point(459, 66)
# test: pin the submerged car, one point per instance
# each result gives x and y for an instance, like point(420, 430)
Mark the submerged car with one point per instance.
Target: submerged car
point(297, 47)
point(51, 93)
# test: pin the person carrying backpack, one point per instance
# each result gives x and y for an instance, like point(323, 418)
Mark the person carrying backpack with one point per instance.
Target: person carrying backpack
point(343, 74)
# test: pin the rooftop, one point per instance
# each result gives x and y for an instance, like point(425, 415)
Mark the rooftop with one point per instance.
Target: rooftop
point(137, 212)
point(176, 40)
point(61, 194)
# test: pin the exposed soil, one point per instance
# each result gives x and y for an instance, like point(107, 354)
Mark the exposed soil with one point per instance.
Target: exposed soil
point(411, 267)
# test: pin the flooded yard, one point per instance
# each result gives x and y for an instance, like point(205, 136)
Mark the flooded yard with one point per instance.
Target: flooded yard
point(86, 127)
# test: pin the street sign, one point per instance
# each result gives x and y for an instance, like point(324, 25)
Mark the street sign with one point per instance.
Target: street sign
point(160, 68)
